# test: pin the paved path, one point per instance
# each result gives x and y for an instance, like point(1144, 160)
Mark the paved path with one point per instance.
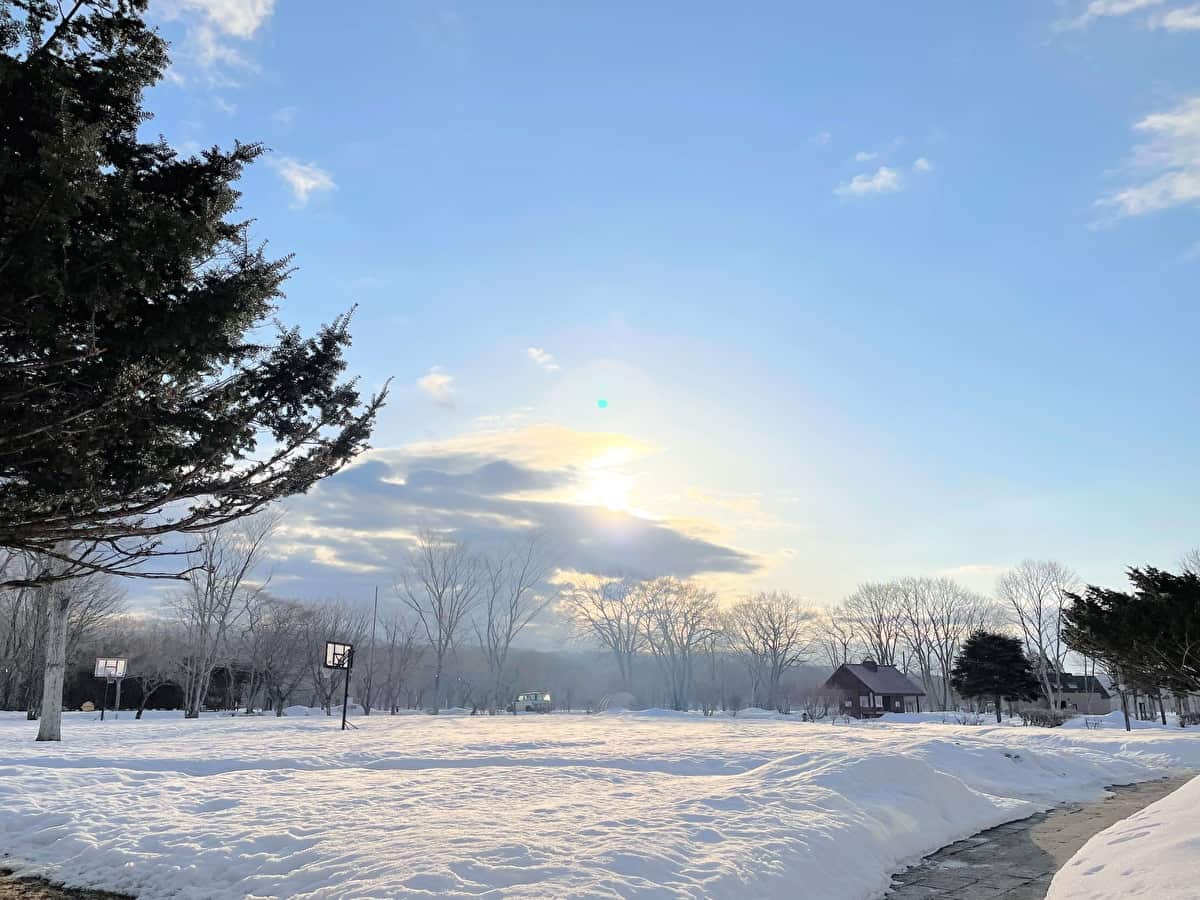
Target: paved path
point(13, 888)
point(1017, 861)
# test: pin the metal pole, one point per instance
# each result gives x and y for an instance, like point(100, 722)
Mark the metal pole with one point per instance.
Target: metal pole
point(104, 702)
point(117, 708)
point(346, 692)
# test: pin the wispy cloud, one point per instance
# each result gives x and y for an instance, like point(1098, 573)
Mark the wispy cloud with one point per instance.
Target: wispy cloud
point(1164, 167)
point(486, 488)
point(285, 115)
point(922, 165)
point(864, 156)
point(215, 29)
point(542, 359)
point(1186, 18)
point(885, 180)
point(821, 138)
point(304, 179)
point(1106, 9)
point(439, 386)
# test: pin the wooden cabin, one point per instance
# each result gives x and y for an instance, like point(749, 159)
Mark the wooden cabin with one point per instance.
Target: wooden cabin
point(867, 690)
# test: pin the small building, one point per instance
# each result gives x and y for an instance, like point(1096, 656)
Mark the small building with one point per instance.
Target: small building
point(1082, 693)
point(867, 690)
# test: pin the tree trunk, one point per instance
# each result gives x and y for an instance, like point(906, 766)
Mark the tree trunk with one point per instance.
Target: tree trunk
point(1162, 710)
point(50, 728)
point(437, 687)
point(1125, 709)
point(999, 700)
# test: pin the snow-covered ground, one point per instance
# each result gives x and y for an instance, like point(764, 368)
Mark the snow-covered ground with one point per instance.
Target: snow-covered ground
point(1154, 853)
point(637, 804)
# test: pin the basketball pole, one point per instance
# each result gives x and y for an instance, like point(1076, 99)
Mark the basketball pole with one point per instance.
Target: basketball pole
point(346, 691)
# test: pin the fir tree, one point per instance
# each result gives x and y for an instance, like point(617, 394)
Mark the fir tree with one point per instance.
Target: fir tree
point(995, 666)
point(1151, 635)
point(142, 391)
point(139, 394)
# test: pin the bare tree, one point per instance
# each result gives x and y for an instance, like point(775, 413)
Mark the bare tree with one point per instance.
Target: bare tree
point(1190, 562)
point(153, 647)
point(876, 610)
point(403, 654)
point(916, 632)
point(1036, 592)
point(773, 631)
point(215, 599)
point(609, 612)
point(681, 618)
point(510, 601)
point(440, 586)
point(837, 635)
point(952, 614)
point(281, 649)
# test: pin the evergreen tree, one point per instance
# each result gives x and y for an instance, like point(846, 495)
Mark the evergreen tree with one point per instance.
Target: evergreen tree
point(995, 666)
point(136, 382)
point(1150, 635)
point(142, 392)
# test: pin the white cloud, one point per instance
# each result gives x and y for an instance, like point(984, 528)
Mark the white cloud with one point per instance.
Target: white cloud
point(285, 115)
point(237, 18)
point(304, 179)
point(821, 138)
point(210, 25)
point(1165, 166)
point(1102, 9)
point(1186, 18)
point(885, 181)
point(230, 109)
point(922, 165)
point(542, 358)
point(439, 386)
point(864, 156)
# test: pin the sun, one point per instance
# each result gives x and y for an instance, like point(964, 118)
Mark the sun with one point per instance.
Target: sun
point(607, 488)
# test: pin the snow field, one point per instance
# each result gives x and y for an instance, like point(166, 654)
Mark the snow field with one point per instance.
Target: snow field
point(624, 805)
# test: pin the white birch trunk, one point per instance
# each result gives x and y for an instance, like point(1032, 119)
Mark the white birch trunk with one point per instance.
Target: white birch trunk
point(50, 726)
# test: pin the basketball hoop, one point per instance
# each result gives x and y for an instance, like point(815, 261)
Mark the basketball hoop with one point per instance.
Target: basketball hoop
point(111, 668)
point(338, 656)
point(341, 656)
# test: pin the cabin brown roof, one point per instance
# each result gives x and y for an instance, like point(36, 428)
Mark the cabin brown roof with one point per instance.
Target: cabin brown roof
point(878, 679)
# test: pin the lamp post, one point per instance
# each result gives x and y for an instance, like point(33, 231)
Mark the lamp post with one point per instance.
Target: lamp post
point(341, 656)
point(111, 668)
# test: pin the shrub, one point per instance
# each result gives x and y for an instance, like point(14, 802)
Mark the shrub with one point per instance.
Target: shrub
point(1043, 718)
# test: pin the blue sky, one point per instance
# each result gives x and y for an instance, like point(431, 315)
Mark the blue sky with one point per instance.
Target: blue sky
point(871, 289)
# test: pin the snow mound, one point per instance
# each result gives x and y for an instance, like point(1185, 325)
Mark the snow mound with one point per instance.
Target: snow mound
point(1151, 854)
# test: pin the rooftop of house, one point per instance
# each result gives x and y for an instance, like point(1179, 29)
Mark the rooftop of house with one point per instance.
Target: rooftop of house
point(1078, 684)
point(879, 679)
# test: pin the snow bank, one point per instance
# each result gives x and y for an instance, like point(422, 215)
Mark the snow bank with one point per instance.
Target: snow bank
point(640, 804)
point(1153, 853)
point(1116, 720)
